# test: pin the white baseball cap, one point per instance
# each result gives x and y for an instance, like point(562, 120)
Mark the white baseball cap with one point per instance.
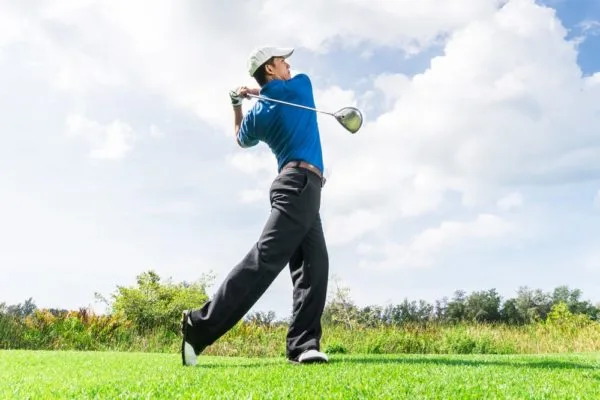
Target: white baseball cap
point(262, 54)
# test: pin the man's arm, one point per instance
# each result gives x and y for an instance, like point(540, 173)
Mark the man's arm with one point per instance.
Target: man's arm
point(238, 117)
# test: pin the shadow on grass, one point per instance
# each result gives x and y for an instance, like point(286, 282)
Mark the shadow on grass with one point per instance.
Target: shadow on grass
point(543, 364)
point(243, 363)
point(402, 359)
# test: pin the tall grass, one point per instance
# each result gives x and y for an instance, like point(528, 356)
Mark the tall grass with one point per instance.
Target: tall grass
point(430, 339)
point(81, 330)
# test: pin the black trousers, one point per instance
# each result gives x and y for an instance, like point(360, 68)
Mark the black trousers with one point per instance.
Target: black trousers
point(292, 234)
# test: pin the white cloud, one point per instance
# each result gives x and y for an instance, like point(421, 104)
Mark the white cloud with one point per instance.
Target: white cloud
point(110, 141)
point(11, 25)
point(253, 196)
point(156, 132)
point(172, 49)
point(502, 108)
point(80, 73)
point(255, 162)
point(343, 229)
point(593, 81)
point(424, 248)
point(492, 111)
point(398, 24)
point(385, 82)
point(511, 201)
point(591, 261)
point(590, 27)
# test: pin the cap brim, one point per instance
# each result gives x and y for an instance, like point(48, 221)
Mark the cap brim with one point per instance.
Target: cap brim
point(283, 52)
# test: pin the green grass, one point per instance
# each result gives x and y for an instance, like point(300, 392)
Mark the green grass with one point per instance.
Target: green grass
point(87, 375)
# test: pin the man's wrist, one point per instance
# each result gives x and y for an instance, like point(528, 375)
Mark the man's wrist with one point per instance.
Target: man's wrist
point(236, 99)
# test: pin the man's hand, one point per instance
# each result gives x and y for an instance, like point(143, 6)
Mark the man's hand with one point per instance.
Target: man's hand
point(236, 97)
point(241, 93)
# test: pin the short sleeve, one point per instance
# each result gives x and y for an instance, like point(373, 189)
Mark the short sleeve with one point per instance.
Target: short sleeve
point(246, 135)
point(300, 82)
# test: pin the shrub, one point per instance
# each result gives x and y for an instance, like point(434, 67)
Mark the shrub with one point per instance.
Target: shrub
point(154, 304)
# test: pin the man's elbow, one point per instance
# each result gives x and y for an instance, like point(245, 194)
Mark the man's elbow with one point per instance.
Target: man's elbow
point(237, 138)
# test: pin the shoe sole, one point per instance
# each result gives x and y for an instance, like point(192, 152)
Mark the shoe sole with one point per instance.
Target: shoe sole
point(309, 361)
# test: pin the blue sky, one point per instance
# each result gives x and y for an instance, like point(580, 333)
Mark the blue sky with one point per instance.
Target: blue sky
point(573, 14)
point(478, 161)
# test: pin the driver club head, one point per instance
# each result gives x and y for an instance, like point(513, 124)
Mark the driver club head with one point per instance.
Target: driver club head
point(350, 118)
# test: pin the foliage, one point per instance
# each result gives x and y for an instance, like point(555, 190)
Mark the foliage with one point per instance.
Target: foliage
point(341, 309)
point(19, 310)
point(49, 329)
point(486, 306)
point(262, 318)
point(145, 317)
point(154, 304)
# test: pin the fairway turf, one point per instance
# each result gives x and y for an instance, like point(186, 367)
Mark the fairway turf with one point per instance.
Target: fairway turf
point(101, 375)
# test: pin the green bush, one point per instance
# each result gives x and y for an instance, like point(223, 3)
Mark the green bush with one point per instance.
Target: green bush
point(560, 317)
point(458, 341)
point(154, 304)
point(10, 332)
point(146, 317)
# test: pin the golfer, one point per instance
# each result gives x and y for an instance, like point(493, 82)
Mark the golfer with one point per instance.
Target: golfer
point(293, 232)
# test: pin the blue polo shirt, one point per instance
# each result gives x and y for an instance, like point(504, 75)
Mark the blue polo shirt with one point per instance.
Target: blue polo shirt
point(291, 132)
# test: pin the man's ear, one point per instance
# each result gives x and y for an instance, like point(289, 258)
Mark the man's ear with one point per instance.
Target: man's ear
point(269, 69)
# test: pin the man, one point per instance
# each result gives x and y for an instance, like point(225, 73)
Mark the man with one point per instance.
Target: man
point(293, 232)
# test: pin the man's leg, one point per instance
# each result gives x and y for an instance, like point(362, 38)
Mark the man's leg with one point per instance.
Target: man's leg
point(309, 268)
point(293, 195)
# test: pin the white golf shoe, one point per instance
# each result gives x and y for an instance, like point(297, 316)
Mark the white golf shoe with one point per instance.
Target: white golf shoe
point(188, 354)
point(311, 356)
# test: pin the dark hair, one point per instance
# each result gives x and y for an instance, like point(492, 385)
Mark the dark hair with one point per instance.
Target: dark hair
point(261, 75)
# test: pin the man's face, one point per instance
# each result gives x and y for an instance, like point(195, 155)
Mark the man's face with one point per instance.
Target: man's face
point(280, 68)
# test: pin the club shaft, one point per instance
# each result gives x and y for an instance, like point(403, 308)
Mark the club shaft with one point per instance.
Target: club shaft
point(289, 104)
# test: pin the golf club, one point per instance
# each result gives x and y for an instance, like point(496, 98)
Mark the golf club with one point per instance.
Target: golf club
point(350, 118)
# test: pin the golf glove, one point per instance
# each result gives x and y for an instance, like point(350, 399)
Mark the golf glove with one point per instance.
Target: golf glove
point(236, 99)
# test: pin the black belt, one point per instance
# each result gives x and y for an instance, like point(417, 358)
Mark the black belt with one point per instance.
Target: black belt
point(308, 166)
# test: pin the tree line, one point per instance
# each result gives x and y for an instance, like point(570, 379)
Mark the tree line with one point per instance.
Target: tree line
point(485, 306)
point(156, 303)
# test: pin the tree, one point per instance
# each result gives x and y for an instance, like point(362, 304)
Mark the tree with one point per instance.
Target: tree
point(340, 309)
point(425, 311)
point(483, 306)
point(457, 307)
point(532, 305)
point(371, 316)
point(440, 311)
point(261, 318)
point(154, 304)
point(572, 298)
point(22, 309)
point(407, 312)
point(509, 313)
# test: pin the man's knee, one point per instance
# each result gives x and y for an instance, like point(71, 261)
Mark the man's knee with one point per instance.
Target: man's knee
point(274, 255)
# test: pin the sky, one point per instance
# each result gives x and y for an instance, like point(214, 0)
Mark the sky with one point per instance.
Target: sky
point(477, 167)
